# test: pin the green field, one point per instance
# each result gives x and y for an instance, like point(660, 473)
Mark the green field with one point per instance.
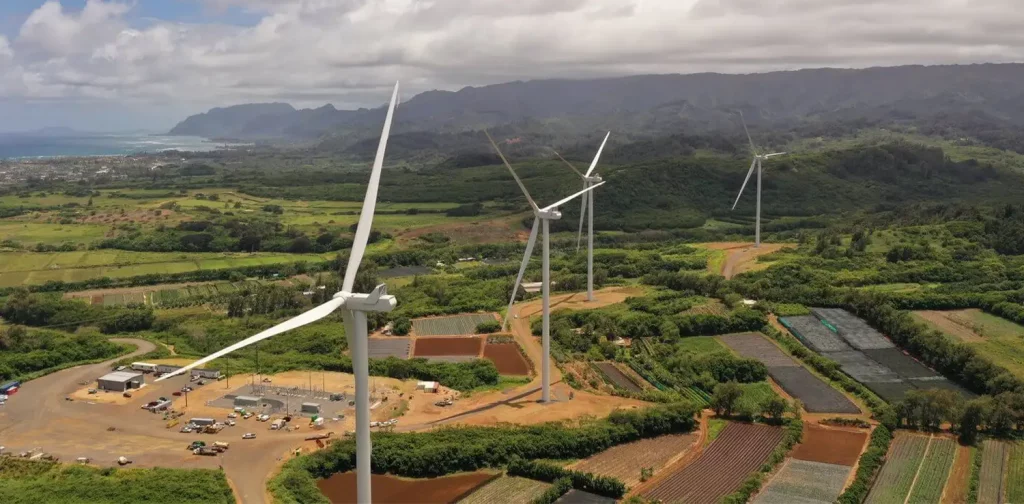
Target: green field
point(931, 478)
point(31, 233)
point(754, 394)
point(28, 268)
point(701, 344)
point(1002, 341)
point(1015, 473)
point(897, 475)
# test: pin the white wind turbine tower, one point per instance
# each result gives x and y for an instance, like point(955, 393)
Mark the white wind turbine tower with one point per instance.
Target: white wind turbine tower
point(543, 216)
point(755, 163)
point(353, 308)
point(588, 181)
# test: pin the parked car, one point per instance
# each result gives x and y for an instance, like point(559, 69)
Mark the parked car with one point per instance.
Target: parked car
point(249, 435)
point(176, 393)
point(232, 415)
point(231, 423)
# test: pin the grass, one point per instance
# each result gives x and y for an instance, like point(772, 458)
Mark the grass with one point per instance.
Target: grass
point(754, 394)
point(31, 233)
point(1003, 340)
point(700, 344)
point(715, 426)
point(504, 382)
point(26, 268)
point(28, 482)
point(1015, 473)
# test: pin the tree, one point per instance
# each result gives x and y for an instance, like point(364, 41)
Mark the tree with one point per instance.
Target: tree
point(774, 407)
point(669, 331)
point(401, 326)
point(971, 418)
point(725, 397)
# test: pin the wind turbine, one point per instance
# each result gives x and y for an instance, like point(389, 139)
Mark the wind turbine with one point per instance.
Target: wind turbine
point(353, 308)
point(588, 181)
point(756, 162)
point(544, 216)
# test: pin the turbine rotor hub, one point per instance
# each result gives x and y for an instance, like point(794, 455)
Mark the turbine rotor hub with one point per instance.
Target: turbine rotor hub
point(552, 214)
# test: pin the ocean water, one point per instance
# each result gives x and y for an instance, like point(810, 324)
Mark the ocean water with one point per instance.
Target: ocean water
point(20, 145)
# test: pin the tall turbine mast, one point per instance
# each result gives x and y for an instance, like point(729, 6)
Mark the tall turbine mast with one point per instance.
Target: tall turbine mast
point(544, 216)
point(756, 162)
point(588, 180)
point(353, 308)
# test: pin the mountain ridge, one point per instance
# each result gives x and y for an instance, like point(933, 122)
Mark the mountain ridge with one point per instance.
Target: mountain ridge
point(653, 103)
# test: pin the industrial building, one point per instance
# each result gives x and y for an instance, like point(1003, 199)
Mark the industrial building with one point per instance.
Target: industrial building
point(202, 421)
point(209, 374)
point(247, 401)
point(120, 381)
point(310, 408)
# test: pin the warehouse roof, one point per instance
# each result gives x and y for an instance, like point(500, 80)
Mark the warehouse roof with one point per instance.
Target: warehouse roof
point(121, 376)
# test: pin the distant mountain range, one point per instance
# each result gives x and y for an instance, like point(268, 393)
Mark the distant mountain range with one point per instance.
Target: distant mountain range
point(649, 105)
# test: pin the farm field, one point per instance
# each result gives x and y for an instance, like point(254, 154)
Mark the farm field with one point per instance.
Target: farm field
point(958, 482)
point(931, 478)
point(830, 445)
point(754, 394)
point(507, 489)
point(817, 396)
point(381, 348)
point(996, 338)
point(1015, 473)
point(507, 358)
point(739, 450)
point(580, 497)
point(436, 347)
point(993, 467)
point(804, 482)
point(814, 334)
point(31, 233)
point(617, 377)
point(29, 268)
point(159, 294)
point(756, 346)
point(710, 307)
point(341, 488)
point(897, 475)
point(853, 330)
point(625, 461)
point(903, 365)
point(449, 326)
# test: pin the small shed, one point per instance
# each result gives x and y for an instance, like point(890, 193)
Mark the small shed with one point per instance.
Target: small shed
point(120, 381)
point(247, 401)
point(202, 421)
point(310, 408)
point(428, 386)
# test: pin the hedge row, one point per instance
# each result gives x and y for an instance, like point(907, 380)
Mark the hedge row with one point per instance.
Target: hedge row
point(586, 482)
point(870, 461)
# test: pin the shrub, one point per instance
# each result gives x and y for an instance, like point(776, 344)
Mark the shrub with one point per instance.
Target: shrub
point(488, 327)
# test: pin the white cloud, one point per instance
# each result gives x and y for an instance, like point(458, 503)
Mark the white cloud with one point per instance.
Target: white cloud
point(349, 52)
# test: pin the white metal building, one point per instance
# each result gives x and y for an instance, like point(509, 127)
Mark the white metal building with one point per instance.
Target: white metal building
point(166, 368)
point(311, 408)
point(120, 381)
point(210, 374)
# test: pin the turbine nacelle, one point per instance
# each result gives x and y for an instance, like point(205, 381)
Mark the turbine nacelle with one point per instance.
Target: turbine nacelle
point(593, 179)
point(549, 214)
point(376, 301)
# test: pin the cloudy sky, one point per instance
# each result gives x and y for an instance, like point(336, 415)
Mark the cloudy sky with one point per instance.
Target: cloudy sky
point(122, 64)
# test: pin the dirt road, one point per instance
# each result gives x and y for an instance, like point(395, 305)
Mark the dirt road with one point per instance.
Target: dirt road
point(741, 257)
point(39, 417)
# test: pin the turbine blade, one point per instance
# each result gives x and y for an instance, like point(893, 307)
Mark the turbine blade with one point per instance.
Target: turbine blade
point(766, 156)
point(744, 186)
point(570, 198)
point(522, 269)
point(369, 203)
point(520, 182)
point(306, 318)
point(583, 212)
point(753, 150)
point(568, 163)
point(597, 156)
